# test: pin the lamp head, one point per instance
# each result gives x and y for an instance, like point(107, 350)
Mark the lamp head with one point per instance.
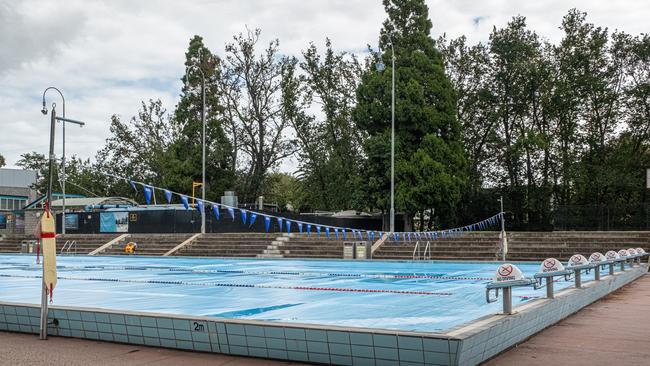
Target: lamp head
point(44, 110)
point(380, 66)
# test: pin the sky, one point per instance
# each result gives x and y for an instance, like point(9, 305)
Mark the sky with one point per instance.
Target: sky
point(108, 56)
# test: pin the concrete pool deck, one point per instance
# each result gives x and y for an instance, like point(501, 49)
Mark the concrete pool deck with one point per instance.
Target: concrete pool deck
point(600, 334)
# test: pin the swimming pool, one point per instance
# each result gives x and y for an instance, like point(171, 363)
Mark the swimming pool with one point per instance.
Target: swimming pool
point(409, 296)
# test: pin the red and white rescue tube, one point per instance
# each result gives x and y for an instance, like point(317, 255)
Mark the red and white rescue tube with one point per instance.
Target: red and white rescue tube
point(48, 245)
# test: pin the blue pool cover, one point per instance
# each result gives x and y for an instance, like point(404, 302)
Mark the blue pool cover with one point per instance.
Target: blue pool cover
point(418, 296)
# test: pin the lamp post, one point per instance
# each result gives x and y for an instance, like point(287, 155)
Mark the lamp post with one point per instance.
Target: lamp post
point(203, 148)
point(63, 121)
point(44, 111)
point(53, 119)
point(380, 67)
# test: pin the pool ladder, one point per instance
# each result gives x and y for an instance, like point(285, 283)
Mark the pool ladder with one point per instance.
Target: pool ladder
point(68, 246)
point(426, 255)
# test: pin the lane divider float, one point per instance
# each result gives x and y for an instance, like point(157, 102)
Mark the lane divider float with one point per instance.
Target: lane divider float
point(220, 284)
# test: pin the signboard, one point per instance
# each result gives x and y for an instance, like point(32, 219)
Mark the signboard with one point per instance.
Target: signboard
point(71, 222)
point(114, 222)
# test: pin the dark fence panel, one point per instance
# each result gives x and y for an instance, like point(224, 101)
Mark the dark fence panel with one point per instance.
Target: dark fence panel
point(189, 221)
point(603, 217)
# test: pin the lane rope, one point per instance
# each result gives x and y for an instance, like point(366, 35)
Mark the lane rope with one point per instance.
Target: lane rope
point(219, 284)
point(285, 273)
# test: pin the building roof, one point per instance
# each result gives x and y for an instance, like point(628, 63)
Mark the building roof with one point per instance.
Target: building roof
point(17, 178)
point(94, 201)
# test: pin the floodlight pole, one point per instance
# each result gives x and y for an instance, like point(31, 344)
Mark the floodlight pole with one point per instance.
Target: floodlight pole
point(392, 140)
point(62, 158)
point(43, 323)
point(503, 230)
point(203, 147)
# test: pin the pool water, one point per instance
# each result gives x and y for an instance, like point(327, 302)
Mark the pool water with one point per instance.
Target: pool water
point(416, 296)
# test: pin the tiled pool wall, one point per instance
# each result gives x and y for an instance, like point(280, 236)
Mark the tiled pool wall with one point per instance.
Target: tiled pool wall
point(327, 345)
point(468, 345)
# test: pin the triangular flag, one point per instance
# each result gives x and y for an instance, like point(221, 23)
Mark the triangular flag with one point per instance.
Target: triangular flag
point(308, 229)
point(395, 236)
point(168, 196)
point(300, 227)
point(252, 221)
point(199, 206)
point(279, 223)
point(243, 216)
point(132, 183)
point(231, 211)
point(147, 194)
point(185, 203)
point(288, 226)
point(344, 236)
point(336, 232)
point(327, 232)
point(318, 228)
point(215, 209)
point(267, 223)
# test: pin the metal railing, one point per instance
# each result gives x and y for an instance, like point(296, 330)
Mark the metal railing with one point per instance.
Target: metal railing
point(68, 245)
point(422, 255)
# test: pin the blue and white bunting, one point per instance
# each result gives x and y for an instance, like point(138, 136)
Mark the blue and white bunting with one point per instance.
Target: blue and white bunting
point(168, 196)
point(185, 202)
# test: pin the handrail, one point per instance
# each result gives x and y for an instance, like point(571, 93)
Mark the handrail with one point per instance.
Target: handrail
point(427, 252)
point(416, 249)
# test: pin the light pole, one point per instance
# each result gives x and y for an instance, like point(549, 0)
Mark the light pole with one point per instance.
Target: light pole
point(380, 67)
point(44, 111)
point(203, 149)
point(53, 119)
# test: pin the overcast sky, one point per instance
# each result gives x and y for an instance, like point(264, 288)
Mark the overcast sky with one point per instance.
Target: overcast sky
point(107, 56)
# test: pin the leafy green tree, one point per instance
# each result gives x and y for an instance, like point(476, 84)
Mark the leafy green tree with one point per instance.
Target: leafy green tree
point(183, 164)
point(2, 161)
point(428, 134)
point(330, 144)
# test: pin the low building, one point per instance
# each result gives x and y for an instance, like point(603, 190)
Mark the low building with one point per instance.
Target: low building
point(16, 190)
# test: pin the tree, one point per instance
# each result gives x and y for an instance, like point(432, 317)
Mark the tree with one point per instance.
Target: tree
point(184, 162)
point(137, 149)
point(252, 87)
point(2, 161)
point(428, 134)
point(329, 143)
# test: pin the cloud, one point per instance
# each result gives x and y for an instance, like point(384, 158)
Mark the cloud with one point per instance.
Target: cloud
point(107, 56)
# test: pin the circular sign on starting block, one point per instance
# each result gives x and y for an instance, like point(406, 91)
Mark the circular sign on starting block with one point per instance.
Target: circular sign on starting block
point(508, 272)
point(623, 253)
point(551, 265)
point(577, 260)
point(597, 257)
point(640, 251)
point(612, 255)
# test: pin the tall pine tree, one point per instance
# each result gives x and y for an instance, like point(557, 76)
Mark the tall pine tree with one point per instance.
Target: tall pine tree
point(184, 164)
point(430, 161)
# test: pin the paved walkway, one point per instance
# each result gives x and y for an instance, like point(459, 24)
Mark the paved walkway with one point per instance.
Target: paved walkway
point(612, 331)
point(18, 349)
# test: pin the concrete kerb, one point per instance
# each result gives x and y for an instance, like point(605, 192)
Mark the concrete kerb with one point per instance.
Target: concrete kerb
point(109, 244)
point(182, 245)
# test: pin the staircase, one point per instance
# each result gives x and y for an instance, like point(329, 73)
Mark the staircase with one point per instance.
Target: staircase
point(12, 244)
point(476, 246)
point(84, 243)
point(522, 246)
point(229, 245)
point(312, 246)
point(274, 250)
point(148, 244)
